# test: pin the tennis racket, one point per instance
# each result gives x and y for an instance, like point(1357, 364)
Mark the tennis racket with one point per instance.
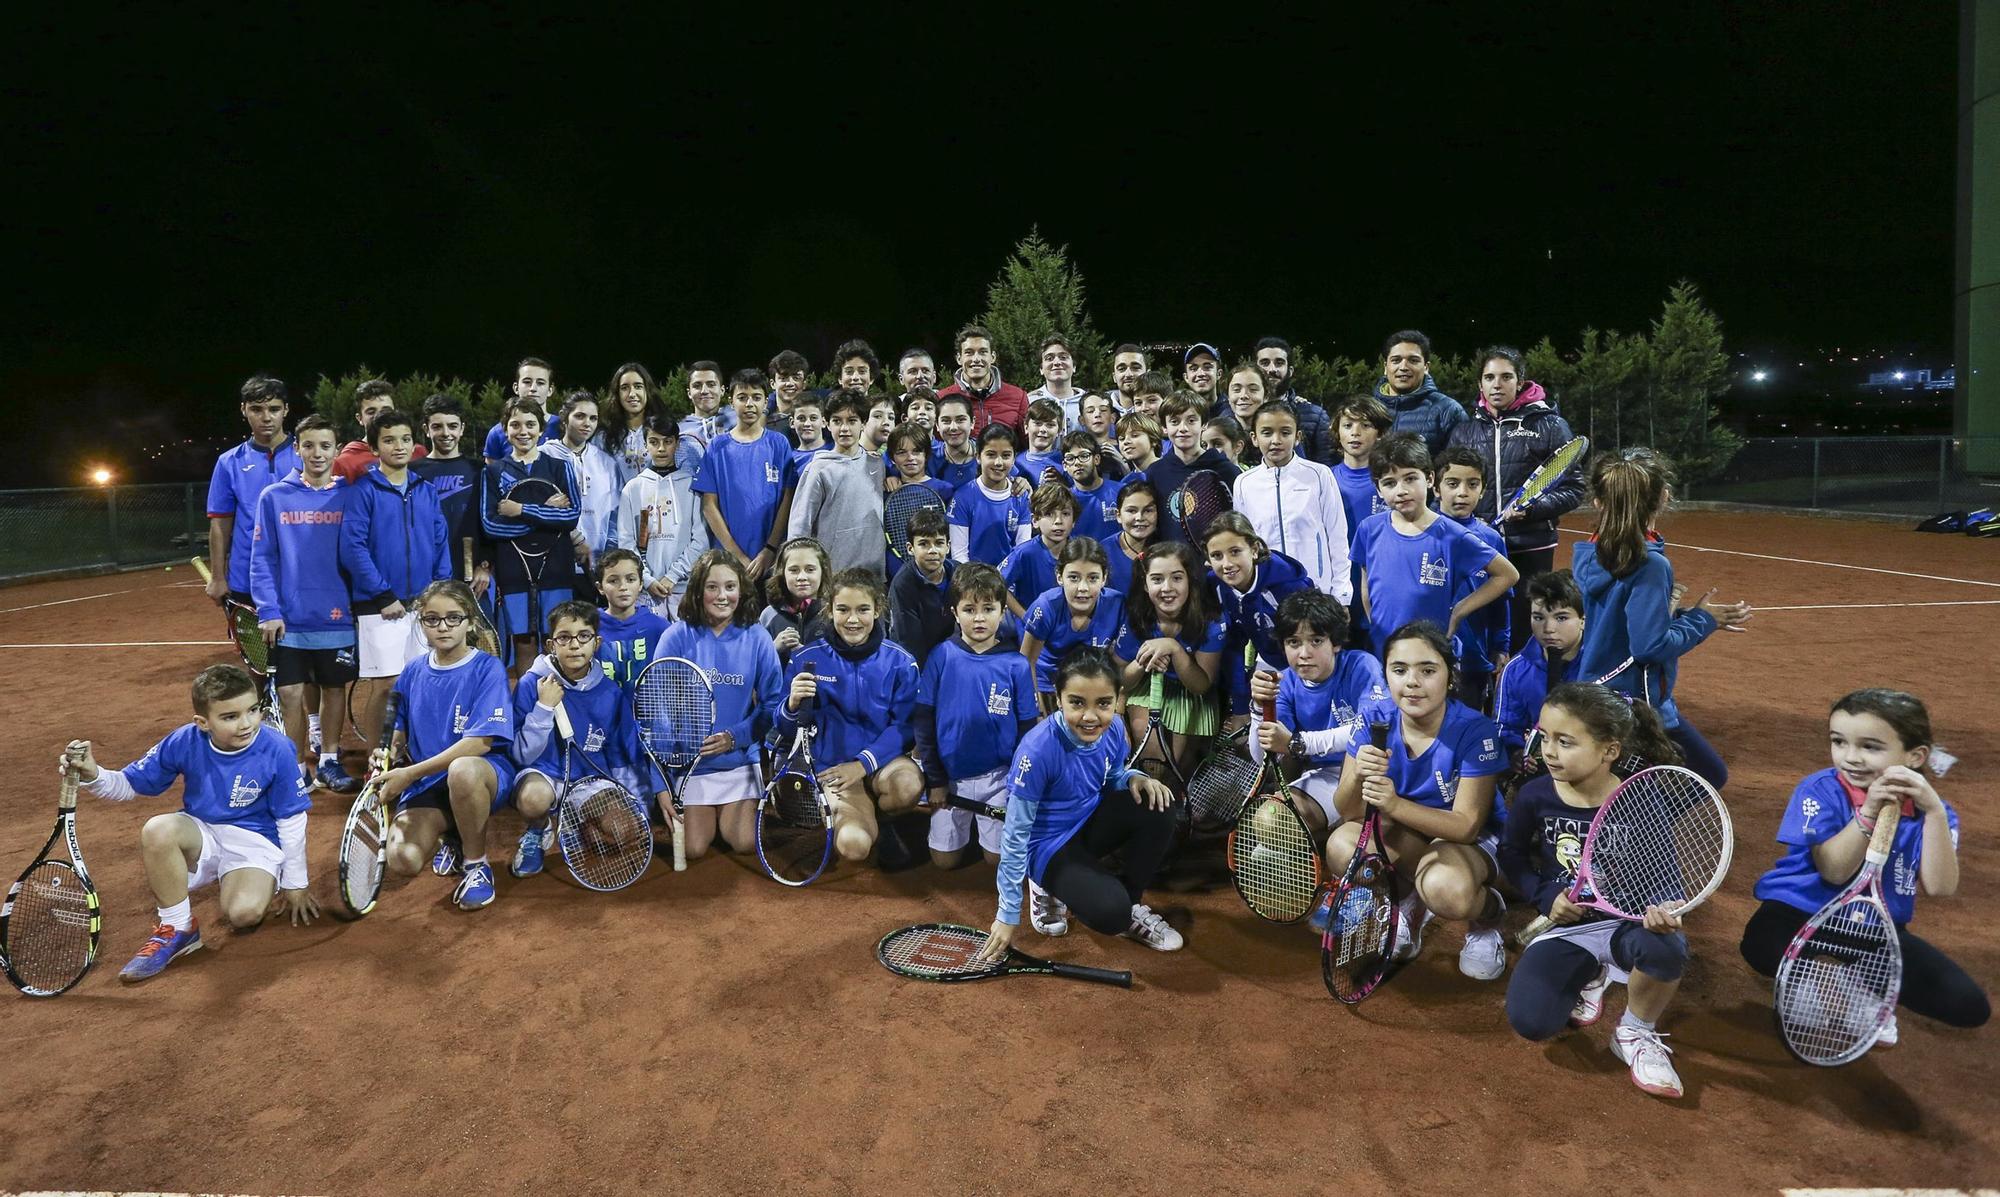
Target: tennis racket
point(1270, 853)
point(1154, 738)
point(1361, 929)
point(1215, 790)
point(606, 837)
point(1842, 973)
point(50, 923)
point(1196, 503)
point(1663, 838)
point(977, 807)
point(949, 952)
point(794, 822)
point(896, 513)
point(1560, 462)
point(674, 705)
point(249, 640)
point(364, 839)
point(534, 547)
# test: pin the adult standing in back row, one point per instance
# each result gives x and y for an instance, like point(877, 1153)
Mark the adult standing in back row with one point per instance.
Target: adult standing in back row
point(1515, 430)
point(1413, 400)
point(993, 400)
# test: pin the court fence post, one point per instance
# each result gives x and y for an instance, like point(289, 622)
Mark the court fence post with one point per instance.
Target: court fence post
point(111, 520)
point(1814, 500)
point(1944, 465)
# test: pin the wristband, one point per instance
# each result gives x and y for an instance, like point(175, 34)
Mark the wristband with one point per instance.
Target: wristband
point(1866, 824)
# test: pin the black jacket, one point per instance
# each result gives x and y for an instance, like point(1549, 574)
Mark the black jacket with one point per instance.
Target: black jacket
point(1513, 444)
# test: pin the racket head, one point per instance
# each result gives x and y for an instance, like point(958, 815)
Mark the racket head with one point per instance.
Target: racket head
point(673, 703)
point(896, 513)
point(605, 835)
point(363, 839)
point(249, 638)
point(1560, 462)
point(1839, 980)
point(49, 928)
point(1361, 929)
point(1215, 791)
point(1200, 498)
point(794, 833)
point(1273, 861)
point(1663, 837)
point(943, 952)
point(531, 491)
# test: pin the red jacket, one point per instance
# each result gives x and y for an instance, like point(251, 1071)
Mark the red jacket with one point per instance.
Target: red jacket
point(356, 456)
point(1004, 404)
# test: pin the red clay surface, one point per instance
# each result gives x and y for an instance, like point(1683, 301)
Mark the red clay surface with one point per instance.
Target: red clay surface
point(713, 1033)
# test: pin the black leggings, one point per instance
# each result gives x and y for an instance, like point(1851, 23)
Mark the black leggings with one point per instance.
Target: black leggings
point(1076, 874)
point(1552, 972)
point(1530, 562)
point(1933, 984)
point(1701, 759)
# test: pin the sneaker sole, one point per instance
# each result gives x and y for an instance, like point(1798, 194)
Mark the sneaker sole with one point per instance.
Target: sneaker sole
point(1618, 1051)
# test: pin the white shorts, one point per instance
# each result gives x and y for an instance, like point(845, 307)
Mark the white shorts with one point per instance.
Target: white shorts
point(226, 848)
point(388, 644)
point(1319, 785)
point(952, 828)
point(743, 784)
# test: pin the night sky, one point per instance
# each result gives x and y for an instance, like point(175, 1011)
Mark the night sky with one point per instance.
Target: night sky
point(190, 199)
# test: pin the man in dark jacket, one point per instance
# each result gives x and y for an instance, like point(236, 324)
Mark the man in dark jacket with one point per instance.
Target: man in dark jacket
point(1274, 362)
point(1412, 398)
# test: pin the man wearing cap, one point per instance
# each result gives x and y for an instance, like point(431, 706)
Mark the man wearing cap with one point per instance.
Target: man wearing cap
point(1199, 368)
point(1058, 375)
point(1274, 362)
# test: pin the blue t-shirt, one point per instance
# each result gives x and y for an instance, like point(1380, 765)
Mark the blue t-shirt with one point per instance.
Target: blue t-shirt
point(991, 525)
point(1048, 620)
point(1818, 809)
point(624, 645)
point(1358, 496)
point(442, 705)
point(1052, 791)
point(1029, 570)
point(240, 477)
point(1210, 639)
point(958, 475)
point(1097, 511)
point(1034, 464)
point(1467, 745)
point(251, 788)
point(1482, 635)
point(1417, 576)
point(1336, 703)
point(748, 480)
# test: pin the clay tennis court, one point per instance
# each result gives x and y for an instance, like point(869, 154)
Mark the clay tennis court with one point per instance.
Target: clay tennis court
point(713, 1033)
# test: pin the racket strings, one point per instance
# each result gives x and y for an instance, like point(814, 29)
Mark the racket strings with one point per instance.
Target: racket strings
point(1276, 866)
point(360, 874)
point(606, 838)
point(1835, 989)
point(675, 711)
point(1665, 839)
point(933, 952)
point(49, 927)
point(795, 798)
point(1216, 790)
point(1359, 937)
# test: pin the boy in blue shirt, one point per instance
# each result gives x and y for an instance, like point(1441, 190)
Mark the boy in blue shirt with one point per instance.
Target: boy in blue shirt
point(988, 517)
point(1040, 428)
point(1413, 561)
point(1484, 637)
point(1096, 495)
point(627, 630)
point(242, 822)
point(745, 481)
point(302, 595)
point(1031, 568)
point(975, 700)
point(240, 477)
point(1555, 608)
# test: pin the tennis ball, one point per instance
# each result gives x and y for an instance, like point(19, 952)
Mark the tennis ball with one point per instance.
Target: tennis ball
point(1268, 820)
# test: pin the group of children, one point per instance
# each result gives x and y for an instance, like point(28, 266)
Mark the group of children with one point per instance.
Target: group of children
point(1009, 658)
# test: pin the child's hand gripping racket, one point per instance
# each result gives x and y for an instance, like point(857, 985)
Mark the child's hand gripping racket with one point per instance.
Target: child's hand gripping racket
point(948, 952)
point(1271, 854)
point(364, 838)
point(673, 703)
point(606, 838)
point(1663, 839)
point(794, 822)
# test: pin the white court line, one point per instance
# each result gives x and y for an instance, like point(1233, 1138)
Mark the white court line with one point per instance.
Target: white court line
point(1848, 606)
point(1897, 573)
point(84, 598)
point(127, 644)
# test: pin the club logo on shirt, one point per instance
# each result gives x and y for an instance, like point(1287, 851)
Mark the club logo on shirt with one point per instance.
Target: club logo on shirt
point(593, 740)
point(1808, 808)
point(1432, 573)
point(999, 700)
point(771, 473)
point(244, 791)
point(1021, 768)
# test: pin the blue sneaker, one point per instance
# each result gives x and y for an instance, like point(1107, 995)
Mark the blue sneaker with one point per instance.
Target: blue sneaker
point(445, 863)
point(332, 777)
point(528, 853)
point(477, 888)
point(165, 946)
point(1322, 914)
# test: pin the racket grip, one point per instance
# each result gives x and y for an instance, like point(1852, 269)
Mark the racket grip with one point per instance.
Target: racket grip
point(1378, 735)
point(1101, 976)
point(977, 808)
point(679, 821)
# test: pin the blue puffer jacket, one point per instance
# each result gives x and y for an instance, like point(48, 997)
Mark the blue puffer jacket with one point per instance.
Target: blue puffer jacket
point(1426, 411)
point(1515, 443)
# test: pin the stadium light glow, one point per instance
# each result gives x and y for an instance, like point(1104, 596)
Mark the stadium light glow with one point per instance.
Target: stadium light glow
point(101, 476)
point(1759, 375)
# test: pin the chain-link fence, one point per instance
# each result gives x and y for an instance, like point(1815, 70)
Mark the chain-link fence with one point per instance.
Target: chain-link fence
point(81, 528)
point(1890, 475)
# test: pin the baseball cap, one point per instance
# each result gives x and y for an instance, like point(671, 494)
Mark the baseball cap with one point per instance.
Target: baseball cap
point(1200, 347)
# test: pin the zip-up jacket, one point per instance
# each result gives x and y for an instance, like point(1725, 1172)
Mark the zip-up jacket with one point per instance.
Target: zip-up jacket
point(393, 543)
point(295, 572)
point(1296, 508)
point(1426, 411)
point(1515, 443)
point(1632, 638)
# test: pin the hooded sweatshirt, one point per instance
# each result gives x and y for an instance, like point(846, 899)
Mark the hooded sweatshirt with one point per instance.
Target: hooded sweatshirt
point(393, 542)
point(1515, 442)
point(1426, 411)
point(295, 570)
point(1632, 638)
point(664, 510)
point(839, 504)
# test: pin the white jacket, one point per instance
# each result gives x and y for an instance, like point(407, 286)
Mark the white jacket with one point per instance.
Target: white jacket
point(1298, 512)
point(675, 533)
point(597, 477)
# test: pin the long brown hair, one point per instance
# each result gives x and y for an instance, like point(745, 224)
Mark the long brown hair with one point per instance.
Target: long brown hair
point(1196, 612)
point(1606, 715)
point(1630, 490)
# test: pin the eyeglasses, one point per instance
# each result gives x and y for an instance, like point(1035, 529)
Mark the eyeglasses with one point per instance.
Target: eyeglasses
point(1079, 455)
point(443, 621)
point(572, 639)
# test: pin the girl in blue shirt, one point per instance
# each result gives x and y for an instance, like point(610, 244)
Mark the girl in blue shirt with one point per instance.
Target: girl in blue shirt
point(855, 692)
point(989, 516)
point(1078, 611)
point(1138, 527)
point(1250, 582)
point(1061, 825)
point(1173, 629)
point(718, 631)
point(1880, 739)
point(242, 822)
point(1433, 788)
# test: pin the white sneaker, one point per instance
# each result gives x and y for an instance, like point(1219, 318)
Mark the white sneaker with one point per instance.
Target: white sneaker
point(1045, 913)
point(1650, 1057)
point(1152, 930)
point(1888, 1036)
point(1484, 956)
point(1590, 1003)
point(1413, 917)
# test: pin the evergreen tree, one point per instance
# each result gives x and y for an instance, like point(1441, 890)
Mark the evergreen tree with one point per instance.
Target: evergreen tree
point(1039, 292)
point(1689, 371)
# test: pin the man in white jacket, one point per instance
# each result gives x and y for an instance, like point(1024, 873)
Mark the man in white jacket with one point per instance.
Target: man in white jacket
point(1294, 503)
point(658, 517)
